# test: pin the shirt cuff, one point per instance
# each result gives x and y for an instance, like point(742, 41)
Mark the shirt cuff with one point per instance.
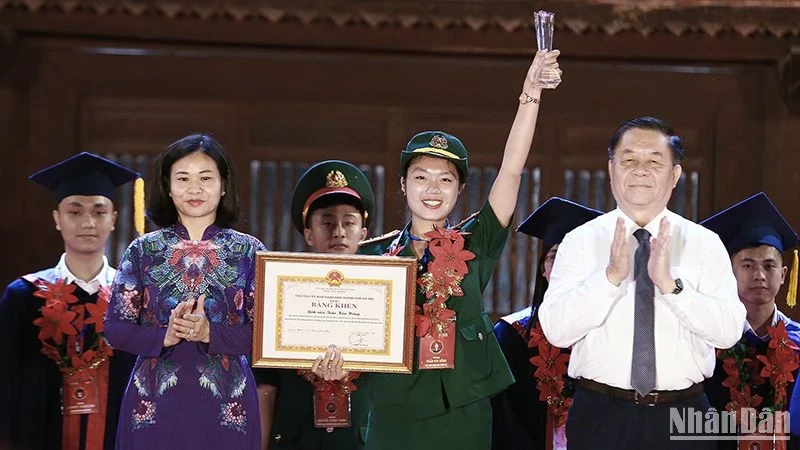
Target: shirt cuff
point(671, 298)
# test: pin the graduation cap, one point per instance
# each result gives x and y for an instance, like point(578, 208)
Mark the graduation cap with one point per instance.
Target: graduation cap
point(556, 217)
point(89, 174)
point(756, 221)
point(331, 177)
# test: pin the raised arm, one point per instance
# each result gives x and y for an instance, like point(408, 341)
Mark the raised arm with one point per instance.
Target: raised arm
point(503, 196)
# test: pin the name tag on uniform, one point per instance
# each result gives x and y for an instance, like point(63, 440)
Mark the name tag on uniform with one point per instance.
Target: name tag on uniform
point(80, 393)
point(438, 352)
point(331, 409)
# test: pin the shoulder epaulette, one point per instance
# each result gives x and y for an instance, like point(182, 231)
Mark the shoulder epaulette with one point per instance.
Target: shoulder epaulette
point(382, 237)
point(466, 220)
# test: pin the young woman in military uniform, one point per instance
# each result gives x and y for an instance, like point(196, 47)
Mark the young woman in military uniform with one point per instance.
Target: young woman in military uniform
point(448, 408)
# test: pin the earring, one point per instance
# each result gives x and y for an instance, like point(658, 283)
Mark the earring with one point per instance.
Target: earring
point(223, 194)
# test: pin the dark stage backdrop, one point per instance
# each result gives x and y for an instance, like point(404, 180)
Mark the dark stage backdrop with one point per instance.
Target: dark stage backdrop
point(282, 90)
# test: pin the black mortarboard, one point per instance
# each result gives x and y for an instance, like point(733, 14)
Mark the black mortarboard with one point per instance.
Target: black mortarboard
point(751, 222)
point(756, 221)
point(84, 174)
point(556, 217)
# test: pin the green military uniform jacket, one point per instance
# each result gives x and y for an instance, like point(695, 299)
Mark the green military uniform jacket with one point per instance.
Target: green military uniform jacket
point(293, 424)
point(480, 369)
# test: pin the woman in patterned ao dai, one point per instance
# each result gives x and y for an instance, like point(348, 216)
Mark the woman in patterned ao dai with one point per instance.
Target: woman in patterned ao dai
point(183, 301)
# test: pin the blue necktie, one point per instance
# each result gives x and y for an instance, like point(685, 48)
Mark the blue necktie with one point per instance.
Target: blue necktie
point(643, 362)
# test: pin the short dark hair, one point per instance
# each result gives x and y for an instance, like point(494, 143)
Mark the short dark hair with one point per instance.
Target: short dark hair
point(756, 245)
point(648, 123)
point(333, 200)
point(161, 209)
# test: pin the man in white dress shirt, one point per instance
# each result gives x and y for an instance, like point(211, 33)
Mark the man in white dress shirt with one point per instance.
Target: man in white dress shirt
point(643, 296)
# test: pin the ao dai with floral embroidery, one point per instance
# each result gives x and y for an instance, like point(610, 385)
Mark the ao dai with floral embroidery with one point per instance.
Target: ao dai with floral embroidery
point(191, 395)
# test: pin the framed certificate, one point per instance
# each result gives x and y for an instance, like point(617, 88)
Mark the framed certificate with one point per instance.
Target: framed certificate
point(362, 304)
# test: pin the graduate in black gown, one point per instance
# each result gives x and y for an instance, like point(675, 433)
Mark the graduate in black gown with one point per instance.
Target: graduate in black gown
point(51, 323)
point(756, 235)
point(519, 417)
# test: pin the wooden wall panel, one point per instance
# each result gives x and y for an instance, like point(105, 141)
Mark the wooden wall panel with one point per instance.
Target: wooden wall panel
point(304, 105)
point(288, 131)
point(144, 125)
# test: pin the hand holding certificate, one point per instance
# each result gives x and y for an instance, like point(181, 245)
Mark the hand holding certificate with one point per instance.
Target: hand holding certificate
point(361, 304)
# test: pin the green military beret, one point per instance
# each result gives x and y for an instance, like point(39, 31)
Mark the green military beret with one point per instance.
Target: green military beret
point(331, 177)
point(438, 144)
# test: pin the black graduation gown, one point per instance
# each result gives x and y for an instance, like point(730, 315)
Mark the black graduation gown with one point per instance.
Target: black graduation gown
point(719, 395)
point(30, 399)
point(519, 419)
point(293, 420)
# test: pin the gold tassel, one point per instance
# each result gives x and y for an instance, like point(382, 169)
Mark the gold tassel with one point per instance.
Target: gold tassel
point(791, 295)
point(138, 206)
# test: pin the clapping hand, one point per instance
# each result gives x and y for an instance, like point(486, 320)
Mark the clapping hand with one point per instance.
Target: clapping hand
point(619, 261)
point(193, 325)
point(172, 337)
point(658, 265)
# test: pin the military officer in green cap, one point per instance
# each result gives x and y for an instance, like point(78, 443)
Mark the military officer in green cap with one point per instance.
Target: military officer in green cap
point(332, 206)
point(444, 403)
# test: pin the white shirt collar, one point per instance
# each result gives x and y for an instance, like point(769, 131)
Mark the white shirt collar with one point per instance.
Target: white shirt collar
point(776, 316)
point(653, 226)
point(102, 279)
